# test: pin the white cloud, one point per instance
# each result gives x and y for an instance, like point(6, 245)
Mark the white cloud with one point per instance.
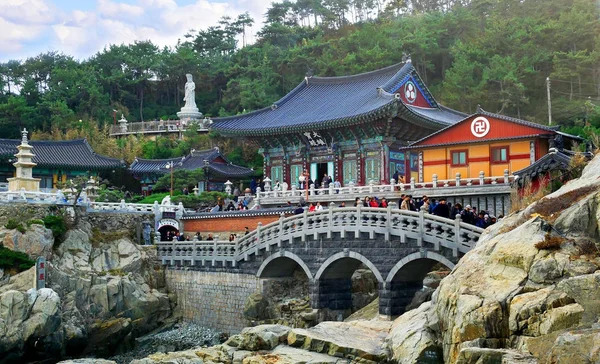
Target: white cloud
point(83, 32)
point(117, 10)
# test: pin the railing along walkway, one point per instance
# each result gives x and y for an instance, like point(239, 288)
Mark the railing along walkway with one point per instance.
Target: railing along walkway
point(391, 190)
point(349, 222)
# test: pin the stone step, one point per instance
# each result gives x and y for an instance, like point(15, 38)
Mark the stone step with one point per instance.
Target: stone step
point(357, 340)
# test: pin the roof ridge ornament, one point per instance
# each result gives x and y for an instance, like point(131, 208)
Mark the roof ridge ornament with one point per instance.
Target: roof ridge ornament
point(24, 136)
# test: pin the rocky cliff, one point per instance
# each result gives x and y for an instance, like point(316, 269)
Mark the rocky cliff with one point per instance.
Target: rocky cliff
point(103, 291)
point(527, 293)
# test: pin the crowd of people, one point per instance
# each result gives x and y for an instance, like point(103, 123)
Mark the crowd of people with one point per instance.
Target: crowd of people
point(439, 207)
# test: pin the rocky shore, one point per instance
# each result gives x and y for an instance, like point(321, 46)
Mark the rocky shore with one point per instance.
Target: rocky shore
point(105, 291)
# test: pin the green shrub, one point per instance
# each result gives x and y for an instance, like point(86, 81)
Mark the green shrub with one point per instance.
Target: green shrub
point(106, 195)
point(57, 224)
point(13, 224)
point(12, 260)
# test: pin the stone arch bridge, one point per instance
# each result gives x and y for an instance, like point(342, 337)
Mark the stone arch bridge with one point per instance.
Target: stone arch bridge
point(400, 247)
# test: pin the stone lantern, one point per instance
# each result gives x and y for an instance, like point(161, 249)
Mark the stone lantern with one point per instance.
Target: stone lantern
point(267, 182)
point(195, 189)
point(228, 185)
point(123, 124)
point(91, 190)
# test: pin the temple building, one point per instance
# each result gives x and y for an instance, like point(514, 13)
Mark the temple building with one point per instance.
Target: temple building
point(217, 169)
point(350, 128)
point(56, 161)
point(489, 143)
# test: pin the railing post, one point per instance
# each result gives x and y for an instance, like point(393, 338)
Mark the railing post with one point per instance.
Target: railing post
point(481, 178)
point(371, 187)
point(304, 225)
point(312, 189)
point(281, 217)
point(421, 225)
point(294, 190)
point(359, 220)
point(214, 254)
point(392, 185)
point(330, 219)
point(258, 228)
point(457, 221)
point(388, 222)
point(506, 176)
point(193, 259)
point(457, 184)
point(412, 183)
point(434, 180)
point(331, 188)
point(258, 195)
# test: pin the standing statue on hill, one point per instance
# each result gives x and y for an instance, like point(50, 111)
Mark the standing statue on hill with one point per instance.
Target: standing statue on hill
point(190, 93)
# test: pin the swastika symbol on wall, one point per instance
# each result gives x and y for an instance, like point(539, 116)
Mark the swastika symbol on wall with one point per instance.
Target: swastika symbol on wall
point(480, 126)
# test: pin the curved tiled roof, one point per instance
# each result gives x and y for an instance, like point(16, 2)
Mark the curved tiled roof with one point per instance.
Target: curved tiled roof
point(327, 102)
point(192, 161)
point(68, 154)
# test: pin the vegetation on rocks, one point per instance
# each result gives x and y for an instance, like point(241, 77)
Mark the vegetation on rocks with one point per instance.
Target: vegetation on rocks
point(57, 224)
point(15, 262)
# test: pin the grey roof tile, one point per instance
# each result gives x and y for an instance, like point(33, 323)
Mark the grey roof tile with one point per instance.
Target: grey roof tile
point(68, 154)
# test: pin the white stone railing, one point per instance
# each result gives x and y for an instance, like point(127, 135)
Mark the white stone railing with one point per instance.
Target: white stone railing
point(197, 252)
point(154, 126)
point(3, 186)
point(58, 198)
point(420, 226)
point(392, 188)
point(31, 197)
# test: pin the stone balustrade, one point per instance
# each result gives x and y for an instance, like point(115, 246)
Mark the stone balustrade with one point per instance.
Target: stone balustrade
point(348, 222)
point(59, 198)
point(489, 193)
point(152, 127)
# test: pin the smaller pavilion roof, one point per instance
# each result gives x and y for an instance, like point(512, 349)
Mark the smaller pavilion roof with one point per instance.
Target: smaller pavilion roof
point(68, 154)
point(209, 158)
point(557, 160)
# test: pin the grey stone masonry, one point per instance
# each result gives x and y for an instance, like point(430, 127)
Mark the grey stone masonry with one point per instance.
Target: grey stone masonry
point(213, 299)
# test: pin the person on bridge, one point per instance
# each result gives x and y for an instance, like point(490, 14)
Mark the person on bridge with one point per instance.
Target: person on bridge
point(442, 209)
point(343, 204)
point(357, 202)
point(319, 207)
point(467, 215)
point(383, 203)
point(312, 207)
point(405, 203)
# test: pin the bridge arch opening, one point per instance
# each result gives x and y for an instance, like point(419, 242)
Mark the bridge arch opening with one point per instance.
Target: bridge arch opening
point(412, 280)
point(345, 283)
point(285, 282)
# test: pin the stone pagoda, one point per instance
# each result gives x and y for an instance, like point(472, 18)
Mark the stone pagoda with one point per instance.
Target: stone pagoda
point(24, 164)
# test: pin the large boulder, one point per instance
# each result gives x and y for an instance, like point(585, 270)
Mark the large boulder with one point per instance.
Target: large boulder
point(36, 241)
point(29, 324)
point(471, 301)
point(412, 341)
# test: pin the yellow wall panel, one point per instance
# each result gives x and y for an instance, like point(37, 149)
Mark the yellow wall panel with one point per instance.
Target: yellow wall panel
point(518, 164)
point(521, 147)
point(498, 169)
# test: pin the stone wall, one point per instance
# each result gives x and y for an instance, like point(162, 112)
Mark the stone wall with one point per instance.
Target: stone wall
point(213, 299)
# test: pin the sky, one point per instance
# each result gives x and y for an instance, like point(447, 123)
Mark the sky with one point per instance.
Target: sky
point(81, 28)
